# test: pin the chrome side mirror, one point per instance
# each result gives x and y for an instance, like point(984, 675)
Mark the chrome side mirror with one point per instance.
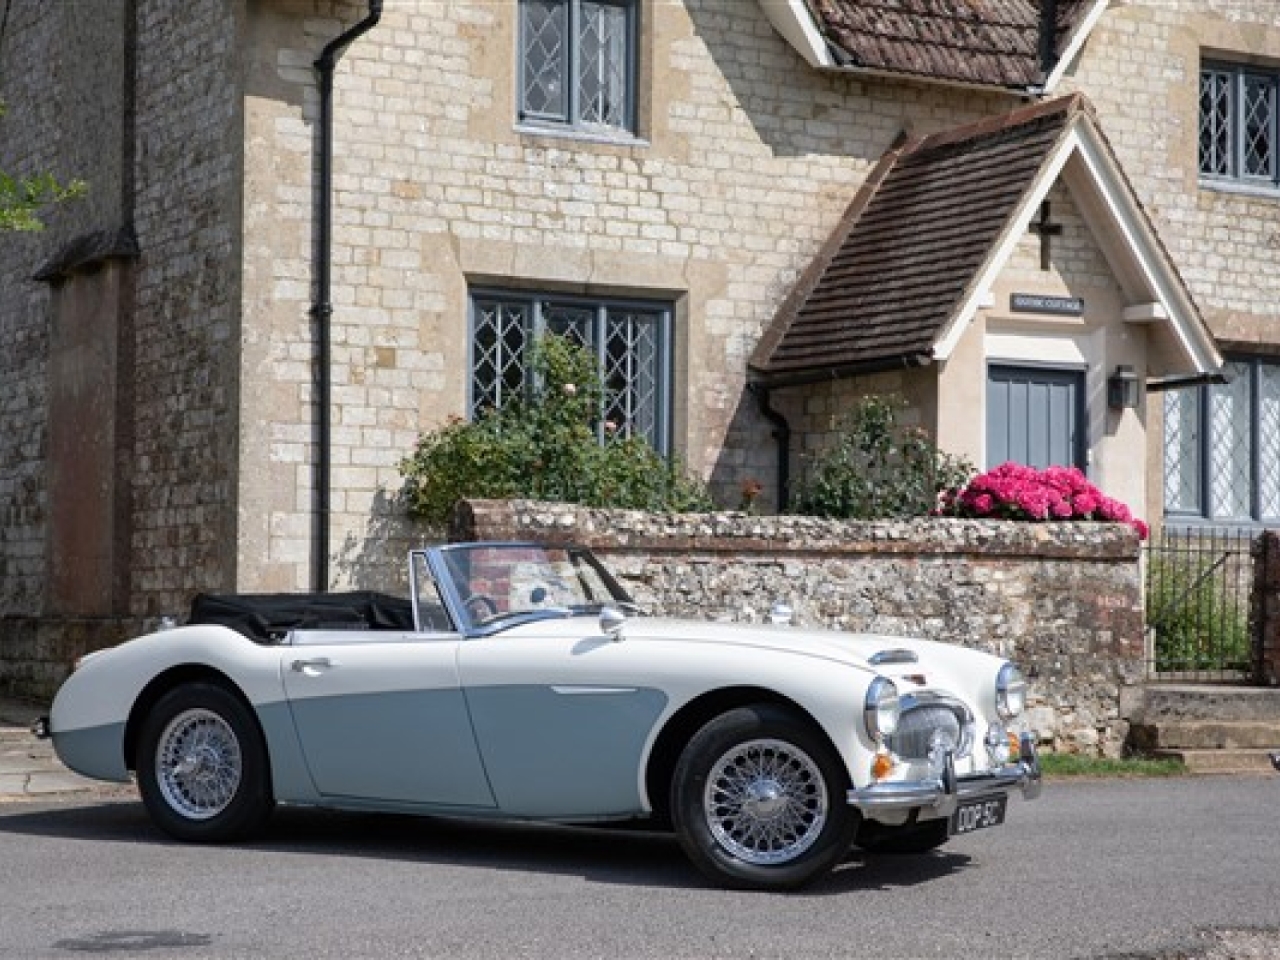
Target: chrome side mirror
point(611, 621)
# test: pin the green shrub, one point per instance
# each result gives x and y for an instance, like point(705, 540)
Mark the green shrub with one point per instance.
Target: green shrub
point(546, 448)
point(878, 469)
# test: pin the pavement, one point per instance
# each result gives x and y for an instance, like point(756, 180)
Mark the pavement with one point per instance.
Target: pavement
point(29, 769)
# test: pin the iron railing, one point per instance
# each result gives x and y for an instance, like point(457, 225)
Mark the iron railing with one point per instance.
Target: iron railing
point(1198, 597)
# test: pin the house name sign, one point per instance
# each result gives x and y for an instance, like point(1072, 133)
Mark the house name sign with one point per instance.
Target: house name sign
point(1040, 303)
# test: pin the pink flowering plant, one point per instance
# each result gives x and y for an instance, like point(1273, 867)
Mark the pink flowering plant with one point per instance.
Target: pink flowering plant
point(1013, 491)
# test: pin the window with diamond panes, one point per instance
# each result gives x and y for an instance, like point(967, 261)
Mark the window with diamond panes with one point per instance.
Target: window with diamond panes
point(1240, 124)
point(1269, 439)
point(1182, 451)
point(1222, 447)
point(1230, 452)
point(578, 63)
point(631, 342)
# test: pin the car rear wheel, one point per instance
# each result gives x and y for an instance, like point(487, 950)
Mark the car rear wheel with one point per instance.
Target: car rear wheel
point(202, 765)
point(758, 800)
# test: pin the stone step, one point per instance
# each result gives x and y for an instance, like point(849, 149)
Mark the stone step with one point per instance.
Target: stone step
point(1217, 704)
point(1221, 761)
point(1206, 735)
point(15, 735)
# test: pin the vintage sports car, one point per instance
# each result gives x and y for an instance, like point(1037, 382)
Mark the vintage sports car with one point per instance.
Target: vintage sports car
point(520, 681)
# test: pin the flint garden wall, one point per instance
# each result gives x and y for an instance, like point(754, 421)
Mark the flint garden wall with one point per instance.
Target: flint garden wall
point(1064, 600)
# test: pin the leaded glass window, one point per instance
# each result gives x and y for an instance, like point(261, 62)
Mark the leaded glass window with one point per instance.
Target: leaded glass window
point(1222, 446)
point(1240, 124)
point(1269, 439)
point(1259, 135)
point(1182, 451)
point(630, 339)
point(1230, 451)
point(578, 63)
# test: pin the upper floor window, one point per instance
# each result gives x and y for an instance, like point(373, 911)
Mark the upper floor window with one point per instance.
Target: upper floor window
point(1222, 447)
point(1239, 117)
point(631, 340)
point(578, 64)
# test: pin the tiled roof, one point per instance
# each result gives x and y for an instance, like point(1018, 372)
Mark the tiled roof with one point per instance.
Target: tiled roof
point(902, 260)
point(986, 42)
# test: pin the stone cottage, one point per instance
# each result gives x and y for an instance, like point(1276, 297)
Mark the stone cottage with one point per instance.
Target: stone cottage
point(319, 227)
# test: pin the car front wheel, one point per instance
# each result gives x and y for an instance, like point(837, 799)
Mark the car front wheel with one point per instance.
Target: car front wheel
point(758, 800)
point(202, 765)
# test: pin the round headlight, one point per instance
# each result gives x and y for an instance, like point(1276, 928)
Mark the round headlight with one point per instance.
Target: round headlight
point(881, 708)
point(1011, 692)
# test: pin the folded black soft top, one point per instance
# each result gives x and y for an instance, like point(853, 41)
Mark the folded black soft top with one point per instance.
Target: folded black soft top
point(267, 617)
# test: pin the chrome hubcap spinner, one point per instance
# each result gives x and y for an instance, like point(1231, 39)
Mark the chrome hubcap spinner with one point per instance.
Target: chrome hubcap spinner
point(765, 801)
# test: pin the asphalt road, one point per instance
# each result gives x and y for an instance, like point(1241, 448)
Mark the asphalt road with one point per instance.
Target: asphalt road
point(1169, 869)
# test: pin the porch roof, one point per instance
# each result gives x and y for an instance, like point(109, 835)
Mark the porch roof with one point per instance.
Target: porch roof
point(1022, 45)
point(919, 247)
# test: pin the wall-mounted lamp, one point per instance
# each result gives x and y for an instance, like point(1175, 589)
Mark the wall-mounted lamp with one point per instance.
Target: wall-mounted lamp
point(1122, 388)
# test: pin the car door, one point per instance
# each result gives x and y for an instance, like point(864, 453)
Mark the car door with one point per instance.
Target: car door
point(562, 726)
point(383, 718)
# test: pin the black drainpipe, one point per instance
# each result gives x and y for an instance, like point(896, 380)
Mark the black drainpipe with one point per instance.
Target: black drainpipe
point(322, 308)
point(781, 433)
point(1048, 34)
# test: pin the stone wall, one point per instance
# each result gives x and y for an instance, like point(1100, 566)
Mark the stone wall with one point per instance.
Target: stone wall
point(140, 100)
point(64, 117)
point(36, 653)
point(1063, 600)
point(188, 215)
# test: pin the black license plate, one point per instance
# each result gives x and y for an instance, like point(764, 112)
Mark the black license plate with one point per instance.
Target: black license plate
point(978, 814)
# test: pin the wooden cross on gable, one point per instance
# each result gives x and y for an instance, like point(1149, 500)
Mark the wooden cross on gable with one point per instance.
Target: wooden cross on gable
point(1046, 230)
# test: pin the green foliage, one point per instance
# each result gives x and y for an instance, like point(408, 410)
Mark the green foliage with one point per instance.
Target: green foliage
point(546, 448)
point(22, 199)
point(1075, 765)
point(1197, 622)
point(878, 469)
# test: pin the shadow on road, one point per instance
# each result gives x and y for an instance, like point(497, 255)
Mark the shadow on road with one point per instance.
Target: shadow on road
point(602, 855)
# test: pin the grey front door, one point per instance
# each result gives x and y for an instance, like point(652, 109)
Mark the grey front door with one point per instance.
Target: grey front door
point(1035, 416)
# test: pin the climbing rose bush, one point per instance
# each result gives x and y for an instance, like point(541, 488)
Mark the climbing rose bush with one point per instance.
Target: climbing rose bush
point(1013, 491)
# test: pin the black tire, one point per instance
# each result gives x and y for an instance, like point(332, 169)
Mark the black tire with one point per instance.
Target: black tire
point(876, 837)
point(758, 800)
point(202, 765)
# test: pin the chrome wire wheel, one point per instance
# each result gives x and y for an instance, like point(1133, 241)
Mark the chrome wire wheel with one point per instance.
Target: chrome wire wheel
point(765, 802)
point(199, 765)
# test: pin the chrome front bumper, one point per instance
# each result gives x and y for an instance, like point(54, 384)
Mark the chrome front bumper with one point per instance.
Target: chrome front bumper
point(944, 794)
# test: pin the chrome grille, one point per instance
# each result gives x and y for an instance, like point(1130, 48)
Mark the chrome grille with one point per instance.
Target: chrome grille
point(917, 726)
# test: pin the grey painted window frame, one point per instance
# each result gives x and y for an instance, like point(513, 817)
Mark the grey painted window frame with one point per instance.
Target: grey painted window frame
point(534, 304)
point(1237, 76)
point(571, 118)
point(1078, 374)
point(1203, 510)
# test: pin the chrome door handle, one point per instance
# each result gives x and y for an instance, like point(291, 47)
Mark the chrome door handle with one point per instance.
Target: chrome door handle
point(312, 665)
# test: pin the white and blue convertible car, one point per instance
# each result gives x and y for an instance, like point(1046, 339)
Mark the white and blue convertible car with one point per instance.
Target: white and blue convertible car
point(520, 681)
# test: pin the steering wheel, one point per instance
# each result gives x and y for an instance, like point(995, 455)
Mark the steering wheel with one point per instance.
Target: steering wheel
point(480, 607)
